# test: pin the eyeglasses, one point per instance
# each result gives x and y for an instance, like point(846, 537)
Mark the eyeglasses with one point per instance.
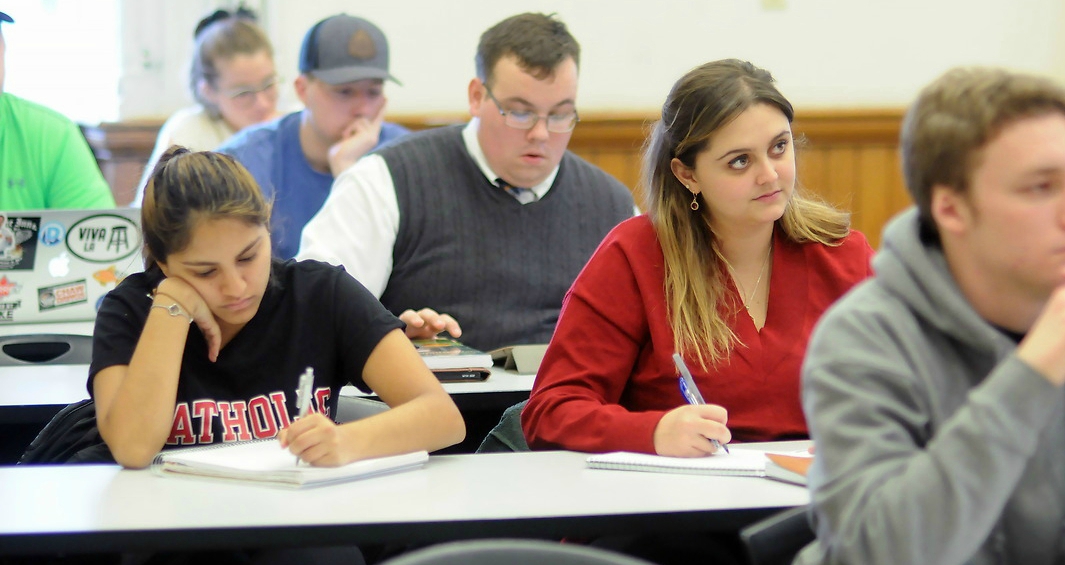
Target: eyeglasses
point(246, 95)
point(520, 119)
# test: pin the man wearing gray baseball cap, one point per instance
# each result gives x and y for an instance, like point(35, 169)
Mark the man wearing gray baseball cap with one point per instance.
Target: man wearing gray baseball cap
point(343, 64)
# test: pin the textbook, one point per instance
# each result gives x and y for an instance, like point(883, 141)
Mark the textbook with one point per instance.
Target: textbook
point(463, 375)
point(445, 353)
point(265, 462)
point(788, 467)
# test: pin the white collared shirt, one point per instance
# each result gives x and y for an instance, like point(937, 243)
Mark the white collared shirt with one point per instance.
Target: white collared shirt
point(358, 225)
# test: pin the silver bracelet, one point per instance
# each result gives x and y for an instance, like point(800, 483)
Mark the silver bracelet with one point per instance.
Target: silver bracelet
point(175, 310)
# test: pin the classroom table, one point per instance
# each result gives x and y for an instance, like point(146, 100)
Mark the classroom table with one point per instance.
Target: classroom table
point(102, 508)
point(30, 394)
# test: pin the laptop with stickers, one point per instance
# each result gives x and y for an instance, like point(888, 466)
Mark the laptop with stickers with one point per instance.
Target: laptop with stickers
point(57, 265)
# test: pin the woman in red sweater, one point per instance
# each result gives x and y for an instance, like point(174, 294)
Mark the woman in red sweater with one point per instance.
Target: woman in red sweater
point(731, 267)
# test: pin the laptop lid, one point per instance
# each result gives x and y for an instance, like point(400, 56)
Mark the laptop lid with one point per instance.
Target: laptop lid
point(57, 265)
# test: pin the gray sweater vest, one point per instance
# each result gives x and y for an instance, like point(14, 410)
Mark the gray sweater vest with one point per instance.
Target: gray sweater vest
point(467, 248)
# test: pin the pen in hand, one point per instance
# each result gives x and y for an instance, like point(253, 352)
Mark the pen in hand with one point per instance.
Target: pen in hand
point(691, 393)
point(303, 396)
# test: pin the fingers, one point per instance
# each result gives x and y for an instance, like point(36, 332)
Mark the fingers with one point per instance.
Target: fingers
point(687, 431)
point(1044, 345)
point(315, 439)
point(427, 323)
point(213, 334)
point(201, 314)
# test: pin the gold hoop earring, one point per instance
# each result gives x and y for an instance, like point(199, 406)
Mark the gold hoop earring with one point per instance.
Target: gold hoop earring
point(695, 202)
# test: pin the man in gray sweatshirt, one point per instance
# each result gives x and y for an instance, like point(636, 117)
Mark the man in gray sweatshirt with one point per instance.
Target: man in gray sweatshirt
point(934, 390)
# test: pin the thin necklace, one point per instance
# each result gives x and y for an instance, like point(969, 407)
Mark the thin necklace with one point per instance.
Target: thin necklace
point(747, 300)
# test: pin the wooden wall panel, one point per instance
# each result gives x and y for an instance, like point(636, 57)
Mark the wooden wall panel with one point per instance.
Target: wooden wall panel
point(849, 157)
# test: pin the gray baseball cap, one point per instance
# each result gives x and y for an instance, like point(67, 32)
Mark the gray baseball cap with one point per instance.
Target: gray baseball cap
point(345, 48)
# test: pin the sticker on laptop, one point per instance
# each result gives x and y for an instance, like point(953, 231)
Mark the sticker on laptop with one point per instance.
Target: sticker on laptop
point(104, 238)
point(18, 242)
point(7, 311)
point(50, 297)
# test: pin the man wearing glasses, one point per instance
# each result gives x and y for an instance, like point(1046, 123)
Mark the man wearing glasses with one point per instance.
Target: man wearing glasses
point(343, 66)
point(485, 224)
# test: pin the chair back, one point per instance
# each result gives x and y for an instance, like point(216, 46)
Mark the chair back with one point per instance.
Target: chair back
point(350, 408)
point(512, 552)
point(777, 539)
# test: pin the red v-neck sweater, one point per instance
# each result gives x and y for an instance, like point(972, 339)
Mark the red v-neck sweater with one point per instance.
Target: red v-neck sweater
point(608, 375)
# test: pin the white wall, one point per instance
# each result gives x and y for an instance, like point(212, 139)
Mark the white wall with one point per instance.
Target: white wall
point(825, 53)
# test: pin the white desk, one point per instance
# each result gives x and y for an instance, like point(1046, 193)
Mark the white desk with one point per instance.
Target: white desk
point(500, 390)
point(69, 328)
point(31, 389)
point(34, 393)
point(539, 494)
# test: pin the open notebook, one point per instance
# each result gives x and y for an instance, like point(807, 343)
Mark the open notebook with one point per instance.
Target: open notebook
point(741, 462)
point(266, 462)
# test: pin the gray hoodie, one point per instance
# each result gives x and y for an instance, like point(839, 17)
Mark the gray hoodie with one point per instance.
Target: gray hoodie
point(935, 444)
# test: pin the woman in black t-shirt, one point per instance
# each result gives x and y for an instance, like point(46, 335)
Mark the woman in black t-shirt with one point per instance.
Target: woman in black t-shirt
point(207, 344)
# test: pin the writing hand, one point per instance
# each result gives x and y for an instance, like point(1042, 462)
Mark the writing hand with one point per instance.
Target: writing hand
point(686, 431)
point(317, 440)
point(427, 323)
point(361, 135)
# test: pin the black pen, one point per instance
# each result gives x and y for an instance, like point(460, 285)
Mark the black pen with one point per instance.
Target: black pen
point(691, 392)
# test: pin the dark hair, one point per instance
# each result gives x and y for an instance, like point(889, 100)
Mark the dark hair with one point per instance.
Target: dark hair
point(219, 36)
point(703, 101)
point(539, 42)
point(187, 187)
point(954, 117)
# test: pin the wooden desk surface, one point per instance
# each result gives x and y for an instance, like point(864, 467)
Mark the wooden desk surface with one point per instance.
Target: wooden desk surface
point(538, 494)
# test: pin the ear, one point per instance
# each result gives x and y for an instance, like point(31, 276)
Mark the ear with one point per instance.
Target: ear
point(300, 85)
point(950, 209)
point(206, 91)
point(475, 91)
point(685, 174)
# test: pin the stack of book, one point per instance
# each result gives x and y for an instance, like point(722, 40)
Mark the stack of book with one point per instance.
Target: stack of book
point(453, 361)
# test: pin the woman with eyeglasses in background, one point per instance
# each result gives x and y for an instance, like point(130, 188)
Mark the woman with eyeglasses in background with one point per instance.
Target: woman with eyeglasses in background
point(233, 81)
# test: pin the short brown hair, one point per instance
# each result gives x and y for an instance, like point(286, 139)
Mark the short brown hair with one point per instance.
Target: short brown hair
point(187, 187)
point(539, 42)
point(954, 117)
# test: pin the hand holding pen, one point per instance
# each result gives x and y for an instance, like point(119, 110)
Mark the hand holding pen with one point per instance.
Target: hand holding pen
point(691, 392)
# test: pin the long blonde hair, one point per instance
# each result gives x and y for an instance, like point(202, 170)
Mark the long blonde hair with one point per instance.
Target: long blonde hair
point(702, 101)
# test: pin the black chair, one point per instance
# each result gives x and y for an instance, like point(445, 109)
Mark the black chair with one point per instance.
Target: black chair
point(507, 435)
point(512, 552)
point(777, 539)
point(45, 349)
point(351, 408)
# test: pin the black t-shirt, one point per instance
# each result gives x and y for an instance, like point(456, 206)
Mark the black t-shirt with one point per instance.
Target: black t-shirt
point(312, 315)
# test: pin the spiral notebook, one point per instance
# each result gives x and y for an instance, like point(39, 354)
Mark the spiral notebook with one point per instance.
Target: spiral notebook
point(266, 462)
point(741, 462)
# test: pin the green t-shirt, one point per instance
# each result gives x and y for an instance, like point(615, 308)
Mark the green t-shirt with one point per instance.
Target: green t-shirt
point(45, 161)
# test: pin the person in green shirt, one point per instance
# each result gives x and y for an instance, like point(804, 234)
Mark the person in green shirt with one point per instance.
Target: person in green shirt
point(45, 161)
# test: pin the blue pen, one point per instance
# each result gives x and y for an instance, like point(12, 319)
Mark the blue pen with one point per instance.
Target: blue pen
point(691, 392)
